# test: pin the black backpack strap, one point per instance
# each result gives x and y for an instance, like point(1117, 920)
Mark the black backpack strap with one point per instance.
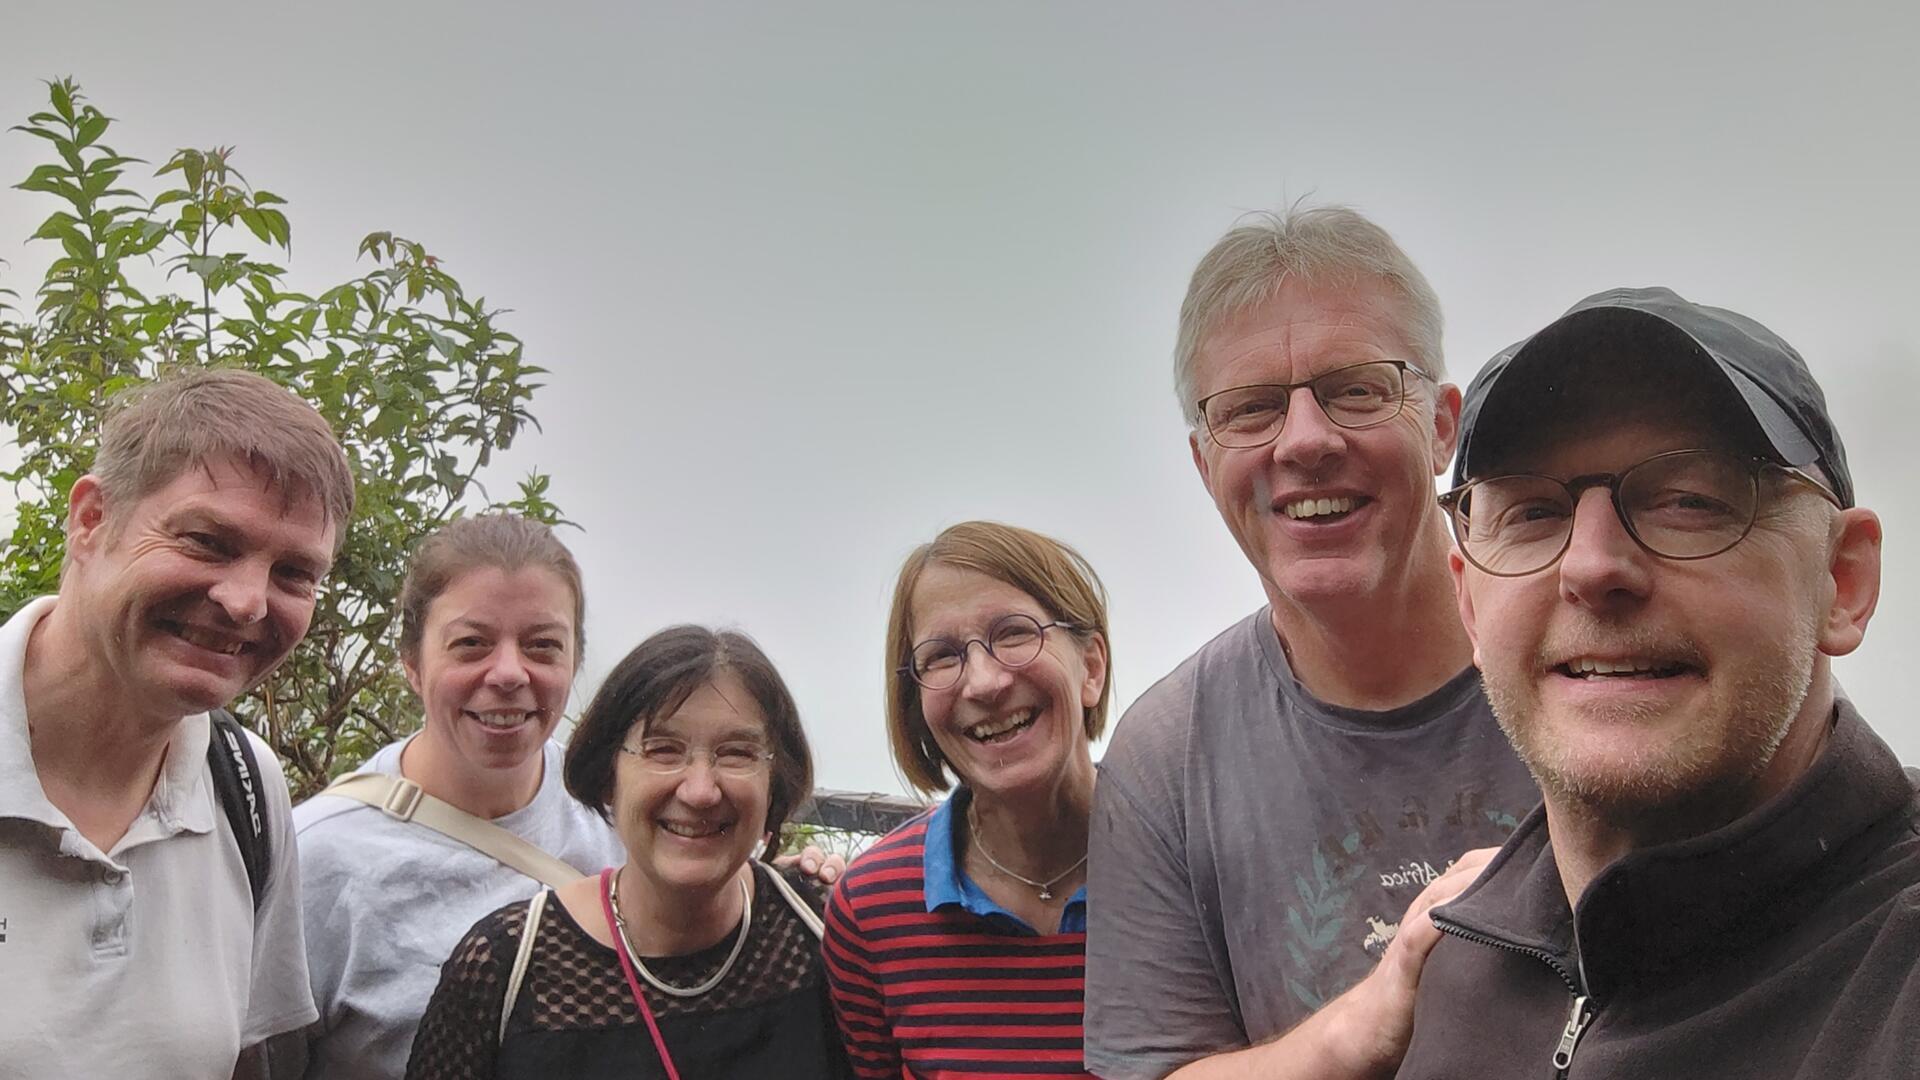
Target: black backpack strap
point(236, 783)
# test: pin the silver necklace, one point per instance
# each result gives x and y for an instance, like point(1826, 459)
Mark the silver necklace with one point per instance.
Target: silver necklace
point(739, 943)
point(1045, 887)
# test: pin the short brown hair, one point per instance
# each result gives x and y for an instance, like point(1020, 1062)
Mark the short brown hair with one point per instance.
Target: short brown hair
point(158, 430)
point(654, 680)
point(1057, 577)
point(499, 540)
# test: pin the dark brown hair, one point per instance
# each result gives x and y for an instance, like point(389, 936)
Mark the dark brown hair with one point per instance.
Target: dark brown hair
point(1058, 578)
point(654, 680)
point(487, 541)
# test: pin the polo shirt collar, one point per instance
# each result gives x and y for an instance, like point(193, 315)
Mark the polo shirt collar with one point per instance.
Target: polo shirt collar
point(21, 795)
point(948, 886)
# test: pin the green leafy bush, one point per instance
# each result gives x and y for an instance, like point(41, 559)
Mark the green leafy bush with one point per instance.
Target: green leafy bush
point(419, 381)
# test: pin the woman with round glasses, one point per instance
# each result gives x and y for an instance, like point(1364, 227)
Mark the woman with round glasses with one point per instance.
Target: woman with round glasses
point(959, 940)
point(693, 958)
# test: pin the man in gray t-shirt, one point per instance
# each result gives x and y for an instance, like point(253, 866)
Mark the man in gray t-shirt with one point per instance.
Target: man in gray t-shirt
point(1282, 837)
point(1267, 813)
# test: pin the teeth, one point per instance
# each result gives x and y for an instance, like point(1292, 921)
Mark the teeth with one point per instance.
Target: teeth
point(693, 831)
point(1589, 666)
point(502, 719)
point(1307, 508)
point(213, 642)
point(988, 729)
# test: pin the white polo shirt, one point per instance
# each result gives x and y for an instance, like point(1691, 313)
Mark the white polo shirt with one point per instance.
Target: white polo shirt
point(147, 960)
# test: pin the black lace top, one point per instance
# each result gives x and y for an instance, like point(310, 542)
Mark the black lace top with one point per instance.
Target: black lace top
point(575, 1016)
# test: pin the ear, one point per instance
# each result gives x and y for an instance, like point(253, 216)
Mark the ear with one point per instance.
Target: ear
point(1853, 560)
point(1093, 656)
point(86, 513)
point(413, 677)
point(1195, 442)
point(1458, 567)
point(1446, 426)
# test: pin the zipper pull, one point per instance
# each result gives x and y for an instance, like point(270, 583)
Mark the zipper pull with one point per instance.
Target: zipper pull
point(1577, 1021)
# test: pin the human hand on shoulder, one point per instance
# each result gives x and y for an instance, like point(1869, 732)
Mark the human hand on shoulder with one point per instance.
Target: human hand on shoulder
point(819, 865)
point(1374, 1020)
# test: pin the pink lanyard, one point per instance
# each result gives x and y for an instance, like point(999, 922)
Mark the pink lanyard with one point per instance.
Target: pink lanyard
point(626, 966)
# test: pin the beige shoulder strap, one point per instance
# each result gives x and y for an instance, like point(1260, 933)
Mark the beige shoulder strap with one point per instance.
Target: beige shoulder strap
point(797, 902)
point(402, 799)
point(531, 930)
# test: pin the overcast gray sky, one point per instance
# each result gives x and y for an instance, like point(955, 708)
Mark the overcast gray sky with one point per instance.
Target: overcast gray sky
point(815, 280)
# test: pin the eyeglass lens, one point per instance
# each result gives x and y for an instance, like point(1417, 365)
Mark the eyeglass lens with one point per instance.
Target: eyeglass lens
point(1686, 505)
point(1013, 640)
point(664, 754)
point(1352, 397)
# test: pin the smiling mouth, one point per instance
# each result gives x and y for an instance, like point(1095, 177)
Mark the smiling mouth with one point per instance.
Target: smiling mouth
point(1003, 729)
point(1332, 509)
point(1588, 668)
point(503, 719)
point(695, 830)
point(210, 640)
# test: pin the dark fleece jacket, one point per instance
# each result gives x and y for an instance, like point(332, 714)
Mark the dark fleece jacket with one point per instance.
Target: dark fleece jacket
point(1786, 944)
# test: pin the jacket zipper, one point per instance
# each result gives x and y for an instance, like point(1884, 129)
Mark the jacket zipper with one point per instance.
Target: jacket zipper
point(1578, 1018)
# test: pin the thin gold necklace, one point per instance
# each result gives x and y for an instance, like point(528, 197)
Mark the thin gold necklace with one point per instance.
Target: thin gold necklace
point(620, 927)
point(1045, 887)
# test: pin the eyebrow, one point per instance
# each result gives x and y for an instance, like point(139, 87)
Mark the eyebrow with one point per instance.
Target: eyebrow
point(549, 627)
point(199, 519)
point(661, 729)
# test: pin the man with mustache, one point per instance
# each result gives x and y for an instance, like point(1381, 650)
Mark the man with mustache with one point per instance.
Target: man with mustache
point(1268, 811)
point(131, 936)
point(1659, 554)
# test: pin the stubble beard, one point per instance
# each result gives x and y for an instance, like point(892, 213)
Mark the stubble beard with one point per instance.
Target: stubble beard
point(1693, 778)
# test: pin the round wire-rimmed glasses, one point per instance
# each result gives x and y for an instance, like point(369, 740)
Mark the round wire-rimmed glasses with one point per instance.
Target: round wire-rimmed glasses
point(666, 755)
point(1356, 396)
point(1681, 505)
point(1014, 641)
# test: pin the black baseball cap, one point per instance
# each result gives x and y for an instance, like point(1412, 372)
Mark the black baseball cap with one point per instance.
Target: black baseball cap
point(1744, 371)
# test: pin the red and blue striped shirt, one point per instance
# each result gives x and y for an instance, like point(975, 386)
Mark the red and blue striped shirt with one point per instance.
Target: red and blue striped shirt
point(930, 978)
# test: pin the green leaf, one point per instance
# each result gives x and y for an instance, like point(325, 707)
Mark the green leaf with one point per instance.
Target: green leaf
point(91, 128)
point(62, 92)
point(58, 224)
point(257, 225)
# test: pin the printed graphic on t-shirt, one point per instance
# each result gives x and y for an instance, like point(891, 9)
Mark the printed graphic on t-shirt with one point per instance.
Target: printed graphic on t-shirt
point(1354, 887)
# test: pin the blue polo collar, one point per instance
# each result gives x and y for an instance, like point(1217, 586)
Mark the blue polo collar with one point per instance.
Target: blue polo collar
point(949, 886)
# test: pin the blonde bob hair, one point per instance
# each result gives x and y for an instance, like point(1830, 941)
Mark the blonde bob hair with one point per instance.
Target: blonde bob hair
point(1057, 577)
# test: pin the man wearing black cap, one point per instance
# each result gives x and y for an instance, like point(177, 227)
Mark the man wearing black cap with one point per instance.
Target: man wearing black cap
point(1658, 554)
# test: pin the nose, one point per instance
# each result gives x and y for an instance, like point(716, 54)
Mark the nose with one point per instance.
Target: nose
point(1603, 565)
point(241, 592)
point(1308, 440)
point(984, 677)
point(699, 783)
point(508, 670)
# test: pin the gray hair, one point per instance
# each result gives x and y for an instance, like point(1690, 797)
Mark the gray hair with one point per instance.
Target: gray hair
point(1315, 245)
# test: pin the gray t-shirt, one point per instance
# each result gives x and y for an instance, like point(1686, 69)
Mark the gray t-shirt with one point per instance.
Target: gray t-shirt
point(1254, 848)
point(385, 902)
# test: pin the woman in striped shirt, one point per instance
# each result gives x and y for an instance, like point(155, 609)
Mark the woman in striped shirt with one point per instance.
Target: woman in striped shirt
point(956, 946)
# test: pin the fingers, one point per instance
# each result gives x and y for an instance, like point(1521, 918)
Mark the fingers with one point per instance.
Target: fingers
point(817, 864)
point(820, 866)
point(1418, 935)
